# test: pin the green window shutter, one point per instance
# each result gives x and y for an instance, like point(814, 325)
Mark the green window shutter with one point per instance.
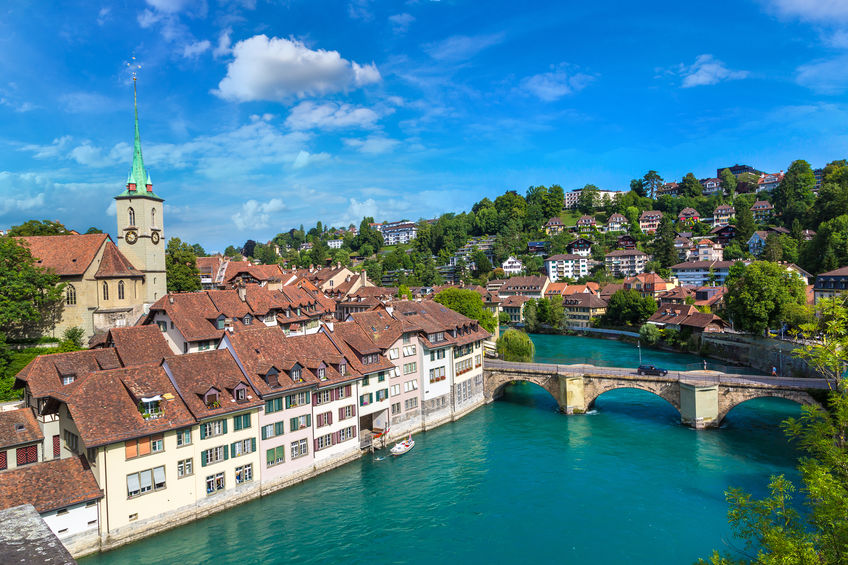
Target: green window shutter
point(203, 432)
point(262, 431)
point(225, 425)
point(279, 428)
point(281, 453)
point(269, 457)
point(278, 403)
point(269, 406)
point(308, 420)
point(232, 449)
point(236, 423)
point(246, 423)
point(308, 396)
point(293, 424)
point(288, 401)
point(252, 444)
point(226, 453)
point(203, 458)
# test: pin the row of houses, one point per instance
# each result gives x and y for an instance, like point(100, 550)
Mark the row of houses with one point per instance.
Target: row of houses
point(139, 434)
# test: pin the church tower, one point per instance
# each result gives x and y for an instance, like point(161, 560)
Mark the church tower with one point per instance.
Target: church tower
point(140, 223)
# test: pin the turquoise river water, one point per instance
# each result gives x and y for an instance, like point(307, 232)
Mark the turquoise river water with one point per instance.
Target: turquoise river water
point(513, 482)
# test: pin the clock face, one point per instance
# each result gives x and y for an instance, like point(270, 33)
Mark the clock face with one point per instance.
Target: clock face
point(154, 237)
point(131, 237)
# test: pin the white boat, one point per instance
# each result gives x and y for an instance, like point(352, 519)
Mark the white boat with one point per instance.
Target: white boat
point(403, 446)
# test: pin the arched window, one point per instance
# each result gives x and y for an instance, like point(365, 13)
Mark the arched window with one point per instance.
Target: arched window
point(120, 290)
point(105, 290)
point(131, 215)
point(153, 217)
point(70, 295)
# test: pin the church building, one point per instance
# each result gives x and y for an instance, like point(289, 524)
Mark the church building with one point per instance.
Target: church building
point(108, 285)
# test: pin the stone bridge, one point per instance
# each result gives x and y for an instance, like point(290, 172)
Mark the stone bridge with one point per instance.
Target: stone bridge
point(703, 398)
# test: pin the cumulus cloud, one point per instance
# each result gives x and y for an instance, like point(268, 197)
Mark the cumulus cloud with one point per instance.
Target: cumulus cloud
point(257, 215)
point(822, 11)
point(196, 48)
point(401, 22)
point(360, 10)
point(223, 47)
point(277, 69)
point(707, 70)
point(461, 47)
point(329, 115)
point(554, 85)
point(305, 158)
point(373, 144)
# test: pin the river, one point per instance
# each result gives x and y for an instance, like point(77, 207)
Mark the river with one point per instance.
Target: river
point(514, 481)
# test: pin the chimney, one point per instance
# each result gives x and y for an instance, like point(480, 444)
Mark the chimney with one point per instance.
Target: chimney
point(242, 291)
point(362, 278)
point(171, 299)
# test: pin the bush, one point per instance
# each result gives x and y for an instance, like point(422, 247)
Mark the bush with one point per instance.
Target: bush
point(514, 345)
point(74, 336)
point(503, 318)
point(649, 333)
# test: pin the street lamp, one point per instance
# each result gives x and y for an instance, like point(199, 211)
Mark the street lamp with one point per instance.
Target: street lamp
point(639, 347)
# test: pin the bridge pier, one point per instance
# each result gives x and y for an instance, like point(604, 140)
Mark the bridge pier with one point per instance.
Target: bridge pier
point(699, 405)
point(571, 399)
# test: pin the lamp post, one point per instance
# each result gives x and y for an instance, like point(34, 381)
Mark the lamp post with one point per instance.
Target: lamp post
point(639, 347)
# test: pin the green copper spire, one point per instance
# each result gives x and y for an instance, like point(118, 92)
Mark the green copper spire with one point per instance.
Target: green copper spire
point(138, 182)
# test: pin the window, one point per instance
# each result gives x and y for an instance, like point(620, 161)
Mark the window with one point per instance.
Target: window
point(395, 408)
point(26, 455)
point(408, 350)
point(273, 430)
point(323, 396)
point(366, 399)
point(214, 455)
point(273, 405)
point(157, 444)
point(163, 326)
point(183, 437)
point(241, 422)
point(70, 295)
point(214, 483)
point(437, 374)
point(437, 354)
point(395, 390)
point(463, 366)
point(409, 386)
point(436, 337)
point(382, 394)
point(57, 448)
point(295, 375)
point(219, 323)
point(406, 339)
point(67, 379)
point(3, 461)
point(381, 376)
point(343, 392)
point(322, 373)
point(275, 456)
point(410, 403)
point(120, 290)
point(241, 394)
point(105, 290)
point(324, 419)
point(346, 412)
point(299, 399)
point(71, 441)
point(131, 216)
point(478, 360)
point(393, 353)
point(153, 217)
point(145, 481)
point(185, 468)
point(247, 319)
point(343, 368)
point(300, 422)
point(369, 359)
point(243, 447)
point(205, 345)
point(299, 449)
point(323, 442)
point(347, 433)
point(213, 428)
point(365, 380)
point(410, 368)
point(150, 408)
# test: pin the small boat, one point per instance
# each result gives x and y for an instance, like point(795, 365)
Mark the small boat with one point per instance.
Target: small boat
point(403, 446)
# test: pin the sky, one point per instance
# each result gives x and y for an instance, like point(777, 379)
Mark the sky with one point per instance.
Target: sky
point(258, 116)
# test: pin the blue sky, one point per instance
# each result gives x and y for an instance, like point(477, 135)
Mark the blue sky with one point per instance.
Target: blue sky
point(257, 116)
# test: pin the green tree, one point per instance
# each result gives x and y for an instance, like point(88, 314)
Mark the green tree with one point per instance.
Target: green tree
point(404, 292)
point(31, 298)
point(744, 224)
point(36, 227)
point(469, 304)
point(482, 265)
point(231, 252)
point(514, 345)
point(651, 182)
point(649, 334)
point(758, 294)
point(663, 247)
point(589, 199)
point(554, 201)
point(92, 230)
point(794, 195)
point(690, 186)
point(503, 318)
point(728, 183)
point(628, 307)
point(829, 248)
point(773, 250)
point(638, 186)
point(181, 267)
point(198, 250)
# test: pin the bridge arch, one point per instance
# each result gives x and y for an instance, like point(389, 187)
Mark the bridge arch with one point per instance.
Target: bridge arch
point(495, 383)
point(734, 398)
point(668, 391)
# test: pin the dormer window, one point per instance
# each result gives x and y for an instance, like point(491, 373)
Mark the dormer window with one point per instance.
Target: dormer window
point(150, 407)
point(67, 379)
point(343, 368)
point(240, 393)
point(296, 374)
point(272, 377)
point(247, 319)
point(211, 399)
point(322, 373)
point(220, 322)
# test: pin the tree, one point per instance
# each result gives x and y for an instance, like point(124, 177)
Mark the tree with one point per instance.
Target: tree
point(503, 318)
point(728, 183)
point(664, 250)
point(628, 307)
point(690, 186)
point(773, 250)
point(652, 181)
point(649, 334)
point(469, 304)
point(772, 526)
point(248, 249)
point(514, 345)
point(744, 224)
point(758, 294)
point(181, 267)
point(198, 250)
point(589, 199)
point(92, 230)
point(31, 298)
point(482, 265)
point(794, 195)
point(829, 248)
point(36, 227)
point(231, 252)
point(638, 186)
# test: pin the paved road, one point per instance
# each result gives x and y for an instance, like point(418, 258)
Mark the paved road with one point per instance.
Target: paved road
point(685, 376)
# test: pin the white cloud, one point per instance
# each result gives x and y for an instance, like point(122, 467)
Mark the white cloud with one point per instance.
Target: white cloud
point(707, 70)
point(57, 148)
point(555, 84)
point(223, 47)
point(360, 10)
point(309, 115)
point(277, 69)
point(828, 76)
point(195, 49)
point(373, 144)
point(401, 22)
point(147, 18)
point(256, 215)
point(169, 6)
point(103, 15)
point(822, 11)
point(461, 47)
point(304, 159)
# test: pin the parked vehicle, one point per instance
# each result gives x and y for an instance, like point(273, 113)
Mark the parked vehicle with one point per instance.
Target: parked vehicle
point(651, 370)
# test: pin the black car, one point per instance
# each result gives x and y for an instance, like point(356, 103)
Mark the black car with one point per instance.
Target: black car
point(651, 370)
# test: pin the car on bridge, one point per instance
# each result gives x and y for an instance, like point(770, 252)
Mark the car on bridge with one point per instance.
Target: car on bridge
point(651, 370)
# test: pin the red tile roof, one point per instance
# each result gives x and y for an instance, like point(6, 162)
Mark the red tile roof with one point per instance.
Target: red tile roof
point(113, 264)
point(67, 255)
point(50, 485)
point(18, 427)
point(137, 345)
point(43, 375)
